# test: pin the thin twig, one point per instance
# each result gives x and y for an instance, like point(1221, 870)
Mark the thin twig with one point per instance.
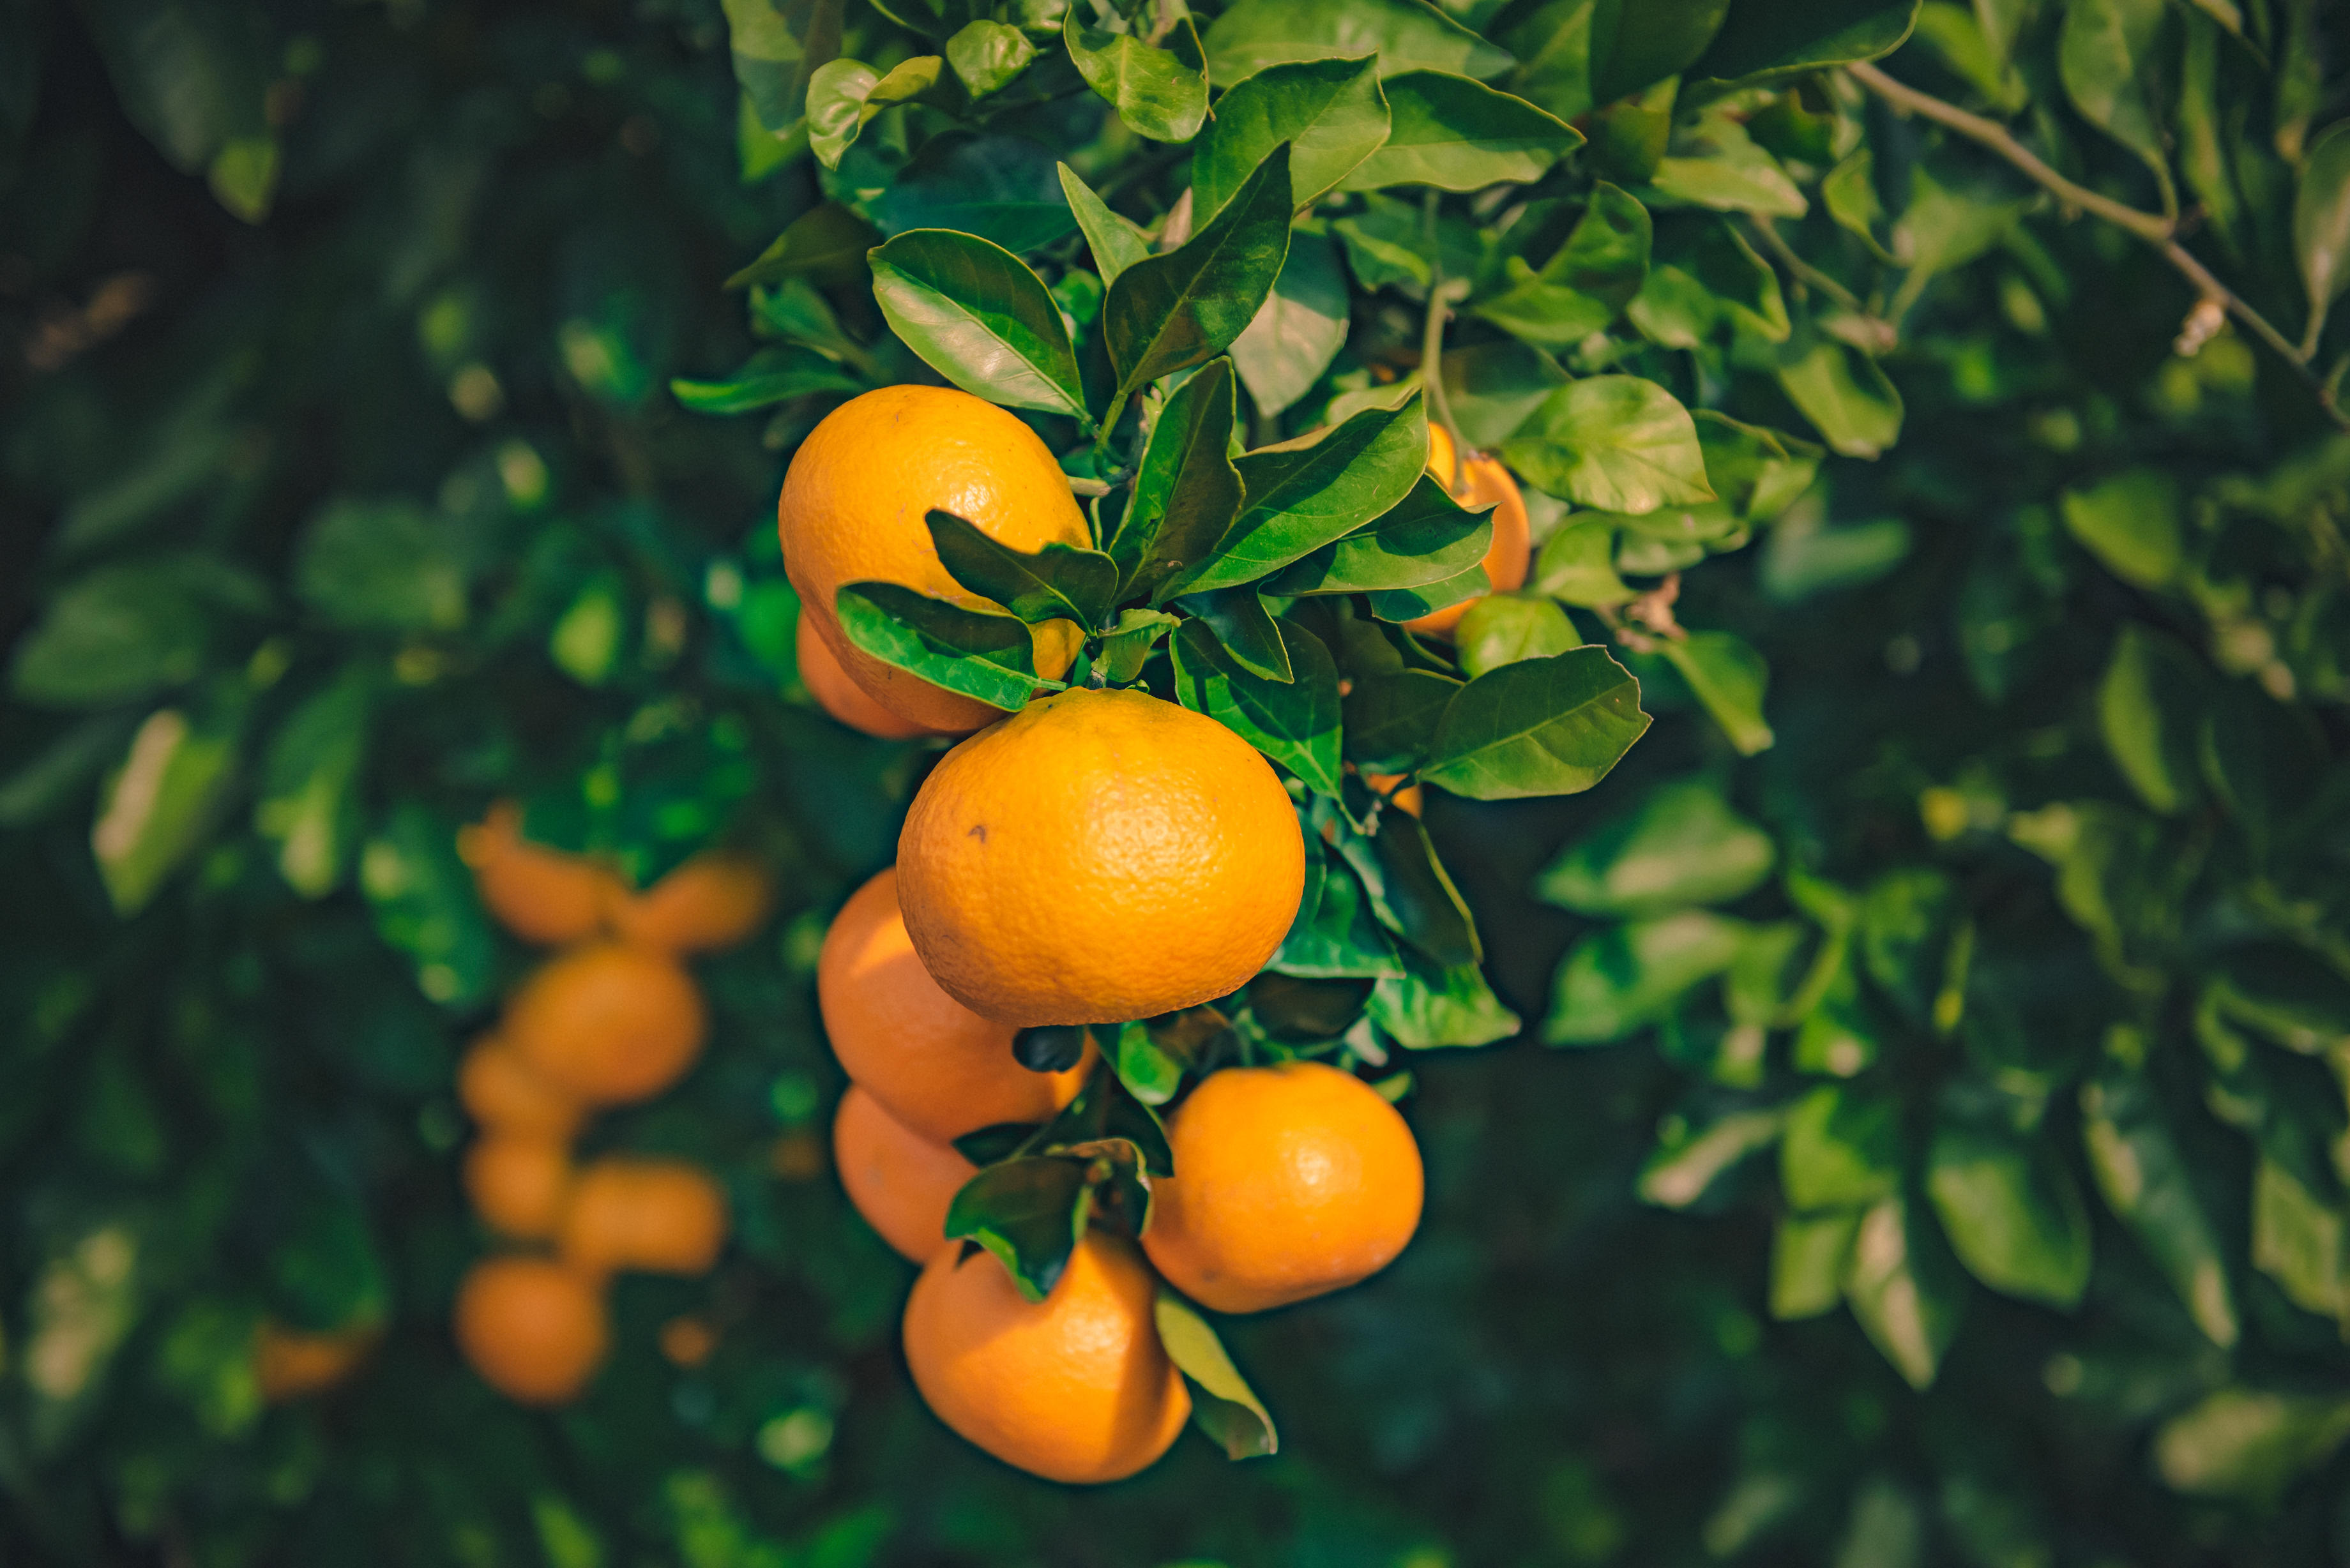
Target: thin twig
point(1431, 349)
point(2153, 228)
point(1804, 271)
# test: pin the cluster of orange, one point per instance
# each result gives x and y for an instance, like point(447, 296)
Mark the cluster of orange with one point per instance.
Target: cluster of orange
point(1098, 855)
point(612, 1019)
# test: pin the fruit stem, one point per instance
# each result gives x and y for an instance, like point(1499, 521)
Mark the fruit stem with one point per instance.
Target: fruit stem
point(1431, 348)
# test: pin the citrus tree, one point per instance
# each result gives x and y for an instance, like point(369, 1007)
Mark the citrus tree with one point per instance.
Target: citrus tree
point(1945, 1161)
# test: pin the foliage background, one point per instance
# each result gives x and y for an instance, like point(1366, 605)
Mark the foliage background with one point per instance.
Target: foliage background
point(345, 492)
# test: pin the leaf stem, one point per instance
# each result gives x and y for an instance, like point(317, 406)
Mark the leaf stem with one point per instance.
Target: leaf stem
point(2153, 228)
point(1804, 272)
point(1431, 348)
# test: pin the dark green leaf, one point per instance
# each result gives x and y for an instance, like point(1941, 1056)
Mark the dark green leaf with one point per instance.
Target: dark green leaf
point(1615, 443)
point(1410, 892)
point(1059, 582)
point(981, 318)
point(1903, 1289)
point(1391, 719)
point(1685, 1165)
point(1335, 935)
point(1404, 34)
point(1330, 111)
point(1244, 631)
point(1000, 188)
point(1168, 313)
point(1030, 1213)
point(1503, 628)
point(2114, 57)
point(1401, 605)
point(1844, 393)
point(1773, 40)
point(773, 375)
point(1295, 723)
point(777, 48)
point(1303, 495)
point(1728, 676)
point(1458, 134)
point(1426, 537)
point(2131, 524)
point(116, 634)
point(389, 566)
point(1577, 563)
point(2013, 1215)
point(1582, 288)
point(1298, 330)
point(44, 785)
point(1495, 386)
point(1115, 242)
point(1186, 491)
point(425, 906)
point(1681, 846)
point(1543, 726)
point(1159, 93)
point(1222, 1404)
point(989, 657)
point(827, 243)
point(308, 805)
point(2320, 221)
point(1427, 1007)
point(2145, 1179)
point(1626, 977)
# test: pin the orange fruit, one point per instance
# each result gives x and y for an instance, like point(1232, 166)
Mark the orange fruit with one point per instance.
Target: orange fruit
point(655, 1216)
point(608, 1024)
point(1511, 555)
point(541, 895)
point(854, 509)
point(1289, 1181)
point(687, 1341)
point(290, 1362)
point(933, 1064)
point(901, 1181)
point(841, 697)
point(1098, 855)
point(1076, 1388)
point(502, 1094)
point(534, 1330)
point(1405, 800)
point(518, 1183)
point(712, 901)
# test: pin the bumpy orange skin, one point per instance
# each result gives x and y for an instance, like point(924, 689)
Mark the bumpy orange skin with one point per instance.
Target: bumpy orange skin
point(901, 1182)
point(608, 1024)
point(1511, 555)
point(519, 1183)
point(291, 1362)
point(933, 1064)
point(543, 896)
point(711, 902)
point(653, 1216)
point(1076, 1388)
point(500, 1093)
point(841, 697)
point(1098, 855)
point(854, 508)
point(534, 1330)
point(1290, 1181)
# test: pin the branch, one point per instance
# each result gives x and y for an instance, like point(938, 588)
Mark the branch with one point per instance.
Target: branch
point(2154, 229)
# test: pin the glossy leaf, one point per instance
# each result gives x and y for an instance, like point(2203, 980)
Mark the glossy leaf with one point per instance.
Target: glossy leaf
point(1295, 722)
point(1391, 719)
point(1168, 313)
point(1682, 846)
point(1583, 286)
point(1058, 582)
point(772, 376)
point(1186, 491)
point(1000, 188)
point(1410, 892)
point(1330, 112)
point(1503, 628)
point(1543, 726)
point(981, 318)
point(1426, 537)
point(987, 57)
point(1404, 34)
point(1405, 605)
point(989, 657)
point(1244, 630)
point(1222, 1404)
point(1159, 93)
point(1615, 443)
point(1771, 40)
point(1578, 565)
point(827, 243)
point(843, 97)
point(1335, 935)
point(1305, 493)
point(1458, 134)
point(1030, 1213)
point(1427, 1008)
point(1298, 330)
point(1114, 242)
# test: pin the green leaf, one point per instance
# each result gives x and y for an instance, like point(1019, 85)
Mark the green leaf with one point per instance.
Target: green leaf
point(1844, 393)
point(844, 96)
point(2145, 1179)
point(44, 785)
point(1059, 582)
point(937, 20)
point(1495, 386)
point(425, 906)
point(1000, 188)
point(826, 243)
point(1330, 111)
point(1734, 176)
point(1577, 565)
point(987, 57)
point(1805, 556)
point(1298, 330)
point(771, 376)
point(1850, 193)
point(1391, 719)
point(2130, 523)
point(1303, 495)
point(989, 657)
point(1295, 723)
point(1186, 491)
point(1426, 537)
point(1114, 242)
point(1030, 1213)
point(1458, 134)
point(1126, 647)
point(387, 565)
point(2299, 1239)
point(1580, 289)
point(1763, 41)
point(1410, 892)
point(1244, 628)
point(1150, 1074)
point(1903, 1291)
point(777, 48)
point(1728, 676)
point(1621, 980)
point(1335, 935)
point(2321, 223)
point(308, 804)
point(1405, 35)
point(1427, 1007)
point(1222, 1404)
point(1168, 313)
point(2249, 1445)
point(1542, 726)
point(1402, 605)
point(1159, 93)
point(981, 318)
point(1843, 1149)
point(158, 805)
point(2151, 708)
point(1503, 628)
point(1615, 443)
point(1683, 1168)
point(116, 635)
point(2114, 57)
point(1681, 846)
point(1809, 1258)
point(2013, 1215)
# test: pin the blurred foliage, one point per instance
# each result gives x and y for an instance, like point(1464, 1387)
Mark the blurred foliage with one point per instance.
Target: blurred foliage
point(1943, 1156)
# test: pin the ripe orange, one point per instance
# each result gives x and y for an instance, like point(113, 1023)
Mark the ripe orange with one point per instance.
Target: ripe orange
point(657, 1216)
point(935, 1065)
point(854, 509)
point(289, 1363)
point(1076, 1388)
point(1511, 555)
point(608, 1024)
point(901, 1182)
point(712, 901)
point(841, 697)
point(1407, 799)
point(541, 895)
point(518, 1183)
point(502, 1094)
point(1098, 855)
point(1289, 1181)
point(534, 1330)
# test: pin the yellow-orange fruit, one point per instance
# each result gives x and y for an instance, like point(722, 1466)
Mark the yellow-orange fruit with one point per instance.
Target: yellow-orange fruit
point(712, 901)
point(901, 1182)
point(687, 1341)
point(1076, 1388)
point(292, 1363)
point(841, 697)
point(1289, 1181)
point(855, 507)
point(500, 1093)
point(935, 1065)
point(1098, 855)
point(518, 1183)
point(1511, 555)
point(653, 1216)
point(543, 896)
point(534, 1330)
point(1407, 799)
point(608, 1024)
